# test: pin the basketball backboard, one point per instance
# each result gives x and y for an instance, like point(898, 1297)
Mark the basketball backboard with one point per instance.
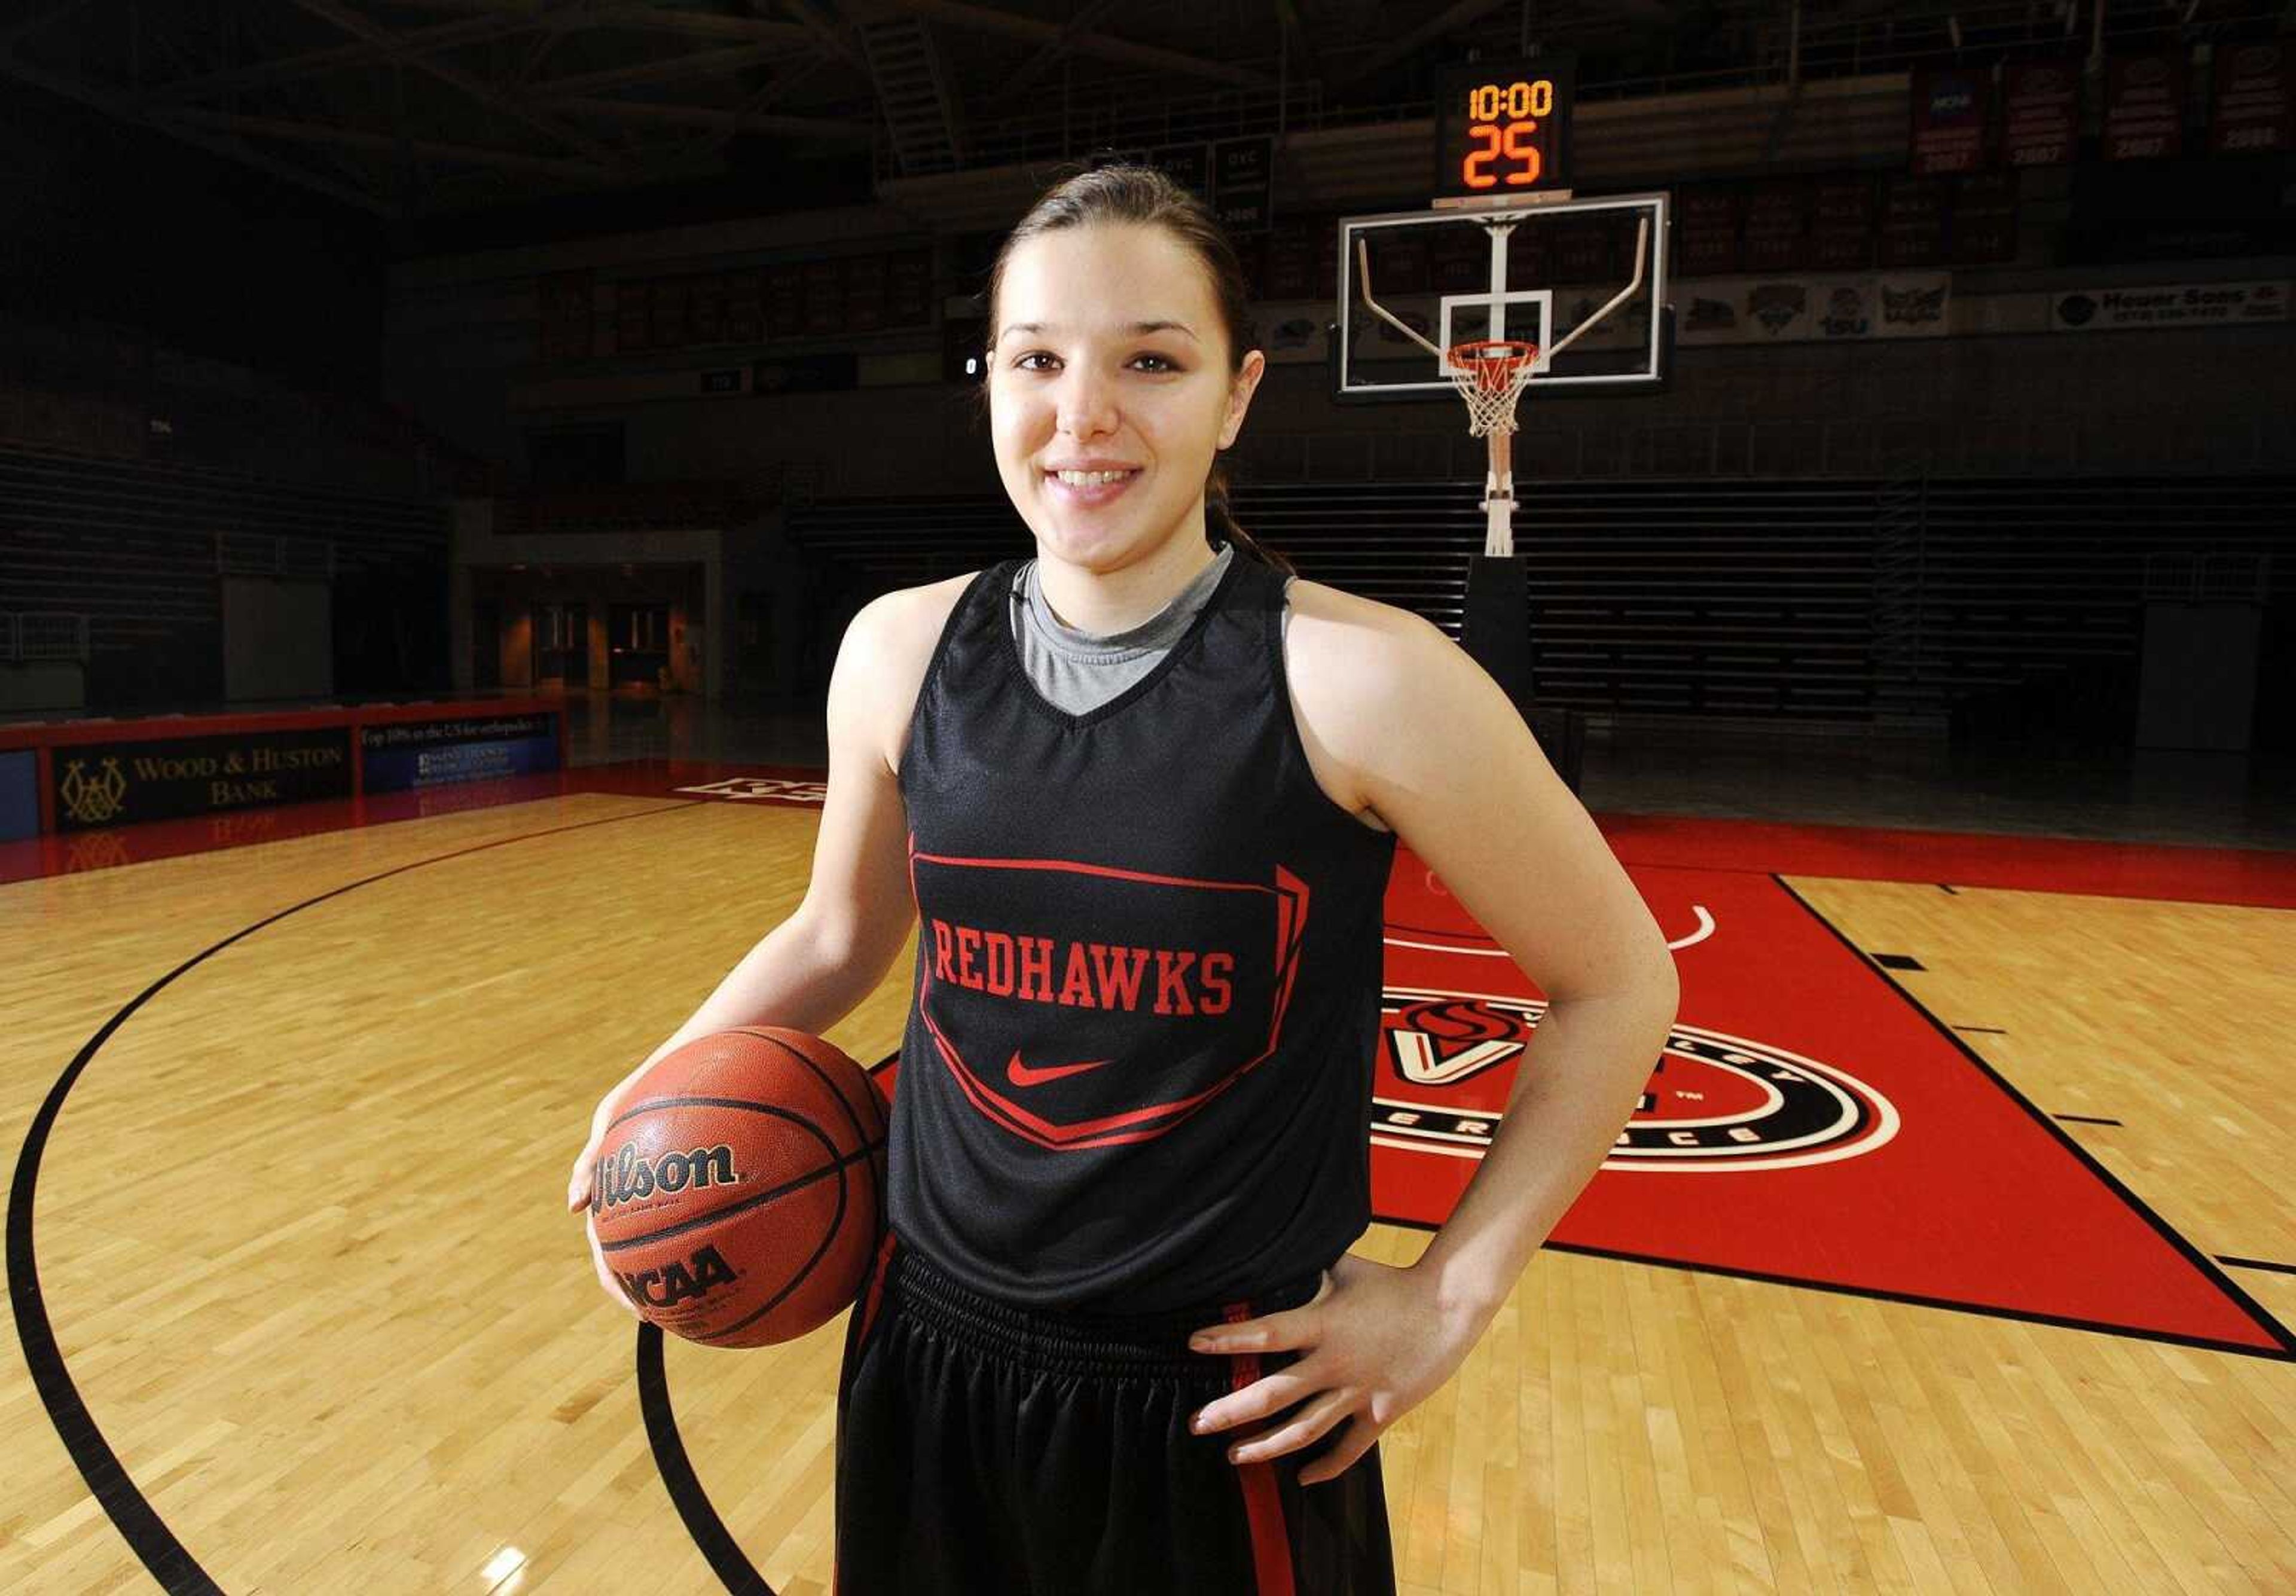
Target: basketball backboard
point(1535, 271)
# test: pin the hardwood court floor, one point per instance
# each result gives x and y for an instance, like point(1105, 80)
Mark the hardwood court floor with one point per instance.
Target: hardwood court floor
point(301, 1242)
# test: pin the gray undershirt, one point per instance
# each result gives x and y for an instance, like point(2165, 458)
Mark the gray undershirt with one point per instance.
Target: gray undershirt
point(1080, 670)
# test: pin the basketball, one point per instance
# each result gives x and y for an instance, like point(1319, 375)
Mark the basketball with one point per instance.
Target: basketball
point(737, 1191)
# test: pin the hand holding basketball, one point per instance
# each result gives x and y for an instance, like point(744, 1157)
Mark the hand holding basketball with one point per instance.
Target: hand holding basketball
point(585, 1170)
point(579, 1183)
point(734, 1186)
point(606, 1281)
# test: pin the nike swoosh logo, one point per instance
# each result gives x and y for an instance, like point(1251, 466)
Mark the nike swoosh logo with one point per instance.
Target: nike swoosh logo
point(1021, 1074)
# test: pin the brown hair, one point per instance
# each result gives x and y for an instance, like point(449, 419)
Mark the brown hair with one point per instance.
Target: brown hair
point(1143, 195)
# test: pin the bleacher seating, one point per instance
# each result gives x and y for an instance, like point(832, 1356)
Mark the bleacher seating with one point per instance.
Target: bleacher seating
point(137, 548)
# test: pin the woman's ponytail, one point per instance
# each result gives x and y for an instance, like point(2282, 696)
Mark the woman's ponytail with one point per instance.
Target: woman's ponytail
point(1220, 524)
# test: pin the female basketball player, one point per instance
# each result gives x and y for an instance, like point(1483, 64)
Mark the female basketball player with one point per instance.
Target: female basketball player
point(1140, 795)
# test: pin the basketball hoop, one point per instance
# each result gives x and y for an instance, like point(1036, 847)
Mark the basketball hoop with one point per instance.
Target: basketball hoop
point(1490, 373)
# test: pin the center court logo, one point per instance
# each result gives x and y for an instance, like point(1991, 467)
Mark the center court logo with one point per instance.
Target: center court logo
point(760, 789)
point(1715, 1103)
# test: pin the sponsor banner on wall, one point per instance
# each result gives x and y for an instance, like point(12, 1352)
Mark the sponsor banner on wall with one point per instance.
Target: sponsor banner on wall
point(2252, 108)
point(118, 784)
point(1812, 307)
point(2040, 112)
point(2157, 305)
point(20, 795)
point(398, 756)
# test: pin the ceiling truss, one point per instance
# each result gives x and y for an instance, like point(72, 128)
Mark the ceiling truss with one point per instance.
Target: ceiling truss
point(408, 108)
point(404, 107)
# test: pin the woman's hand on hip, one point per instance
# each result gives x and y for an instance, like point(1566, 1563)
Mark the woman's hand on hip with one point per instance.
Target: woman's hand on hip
point(1373, 1346)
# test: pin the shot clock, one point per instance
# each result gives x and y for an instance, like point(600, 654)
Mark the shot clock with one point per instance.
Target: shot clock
point(1502, 128)
point(1504, 260)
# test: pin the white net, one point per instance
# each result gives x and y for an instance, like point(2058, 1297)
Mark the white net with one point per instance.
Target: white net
point(1489, 377)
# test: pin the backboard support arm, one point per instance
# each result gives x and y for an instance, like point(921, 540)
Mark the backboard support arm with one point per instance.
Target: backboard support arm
point(1499, 484)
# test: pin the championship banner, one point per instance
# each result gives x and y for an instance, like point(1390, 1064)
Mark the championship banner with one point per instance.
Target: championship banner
point(2155, 306)
point(1706, 230)
point(1983, 225)
point(118, 784)
point(1777, 226)
point(1952, 111)
point(564, 300)
point(2144, 106)
point(1843, 218)
point(633, 317)
point(20, 795)
point(396, 756)
point(1812, 308)
point(2041, 112)
point(2252, 108)
point(1913, 219)
point(1243, 191)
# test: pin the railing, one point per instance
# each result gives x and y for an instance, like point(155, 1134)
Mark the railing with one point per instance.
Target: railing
point(641, 506)
point(2208, 576)
point(130, 551)
point(25, 638)
point(1773, 448)
point(254, 554)
point(1724, 449)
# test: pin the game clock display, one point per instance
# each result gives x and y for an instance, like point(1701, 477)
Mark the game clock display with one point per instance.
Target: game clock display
point(1503, 128)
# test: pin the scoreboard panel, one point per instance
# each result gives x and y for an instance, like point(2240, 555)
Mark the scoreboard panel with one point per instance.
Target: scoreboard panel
point(1504, 128)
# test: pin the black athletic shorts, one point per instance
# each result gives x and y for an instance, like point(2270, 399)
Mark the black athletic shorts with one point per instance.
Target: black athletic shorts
point(987, 1449)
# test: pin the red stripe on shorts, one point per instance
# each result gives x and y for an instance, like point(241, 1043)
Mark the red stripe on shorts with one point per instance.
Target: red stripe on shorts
point(876, 1284)
point(1263, 1504)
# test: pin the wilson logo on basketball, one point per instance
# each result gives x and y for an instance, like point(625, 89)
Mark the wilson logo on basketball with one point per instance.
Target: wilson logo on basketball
point(626, 1178)
point(665, 1288)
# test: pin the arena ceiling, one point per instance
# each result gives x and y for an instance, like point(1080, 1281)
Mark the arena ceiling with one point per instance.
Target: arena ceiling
point(420, 108)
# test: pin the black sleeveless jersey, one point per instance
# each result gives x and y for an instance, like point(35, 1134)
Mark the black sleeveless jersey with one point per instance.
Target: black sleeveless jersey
point(1136, 1073)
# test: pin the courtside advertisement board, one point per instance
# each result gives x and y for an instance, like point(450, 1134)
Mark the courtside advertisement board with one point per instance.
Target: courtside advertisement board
point(400, 756)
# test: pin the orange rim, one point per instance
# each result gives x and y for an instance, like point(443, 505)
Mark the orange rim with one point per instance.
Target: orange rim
point(1494, 359)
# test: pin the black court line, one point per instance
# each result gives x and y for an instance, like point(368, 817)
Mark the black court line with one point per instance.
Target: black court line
point(167, 1559)
point(2284, 1342)
point(699, 1514)
point(695, 1510)
point(2264, 1263)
